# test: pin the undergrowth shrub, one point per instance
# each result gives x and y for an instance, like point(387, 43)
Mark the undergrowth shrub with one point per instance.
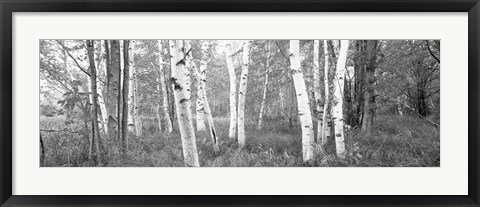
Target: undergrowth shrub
point(394, 142)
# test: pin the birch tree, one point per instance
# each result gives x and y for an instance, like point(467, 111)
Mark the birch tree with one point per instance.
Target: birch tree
point(181, 83)
point(159, 107)
point(316, 88)
point(326, 113)
point(131, 89)
point(337, 102)
point(100, 83)
point(137, 121)
point(302, 102)
point(265, 88)
point(370, 81)
point(233, 92)
point(113, 86)
point(162, 85)
point(241, 95)
point(200, 94)
point(96, 139)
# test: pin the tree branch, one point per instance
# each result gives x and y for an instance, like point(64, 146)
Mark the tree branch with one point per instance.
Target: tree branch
point(71, 56)
point(280, 49)
point(431, 53)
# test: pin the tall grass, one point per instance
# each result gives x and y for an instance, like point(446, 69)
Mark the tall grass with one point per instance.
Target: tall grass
point(394, 142)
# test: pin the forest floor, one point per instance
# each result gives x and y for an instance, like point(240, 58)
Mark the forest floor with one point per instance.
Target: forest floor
point(395, 142)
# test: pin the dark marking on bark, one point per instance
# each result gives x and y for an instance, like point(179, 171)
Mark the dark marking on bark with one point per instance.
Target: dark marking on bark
point(214, 137)
point(338, 135)
point(176, 86)
point(183, 100)
point(181, 62)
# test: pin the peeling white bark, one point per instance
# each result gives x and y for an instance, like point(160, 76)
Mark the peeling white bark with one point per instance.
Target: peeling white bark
point(316, 88)
point(233, 92)
point(181, 83)
point(163, 87)
point(203, 93)
point(131, 90)
point(241, 94)
point(265, 88)
point(302, 102)
point(201, 96)
point(337, 103)
point(326, 114)
point(101, 72)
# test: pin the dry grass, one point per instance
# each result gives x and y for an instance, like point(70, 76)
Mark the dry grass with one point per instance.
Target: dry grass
point(395, 142)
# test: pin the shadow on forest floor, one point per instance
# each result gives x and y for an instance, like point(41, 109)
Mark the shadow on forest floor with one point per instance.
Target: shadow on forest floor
point(395, 142)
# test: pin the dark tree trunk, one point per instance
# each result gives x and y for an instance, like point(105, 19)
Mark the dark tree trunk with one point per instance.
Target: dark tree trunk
point(126, 76)
point(113, 76)
point(370, 81)
point(96, 140)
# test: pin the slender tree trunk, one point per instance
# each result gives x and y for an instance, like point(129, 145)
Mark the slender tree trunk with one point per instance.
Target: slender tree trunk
point(241, 95)
point(319, 102)
point(181, 83)
point(113, 71)
point(338, 99)
point(233, 93)
point(94, 111)
point(302, 102)
point(202, 92)
point(359, 81)
point(137, 120)
point(166, 114)
point(159, 106)
point(265, 88)
point(200, 96)
point(370, 92)
point(326, 113)
point(119, 97)
point(127, 61)
point(89, 110)
point(101, 102)
point(131, 88)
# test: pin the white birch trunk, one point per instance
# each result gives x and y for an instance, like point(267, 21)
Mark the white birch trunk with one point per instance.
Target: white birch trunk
point(91, 151)
point(326, 114)
point(302, 102)
point(137, 122)
point(265, 89)
point(163, 87)
point(202, 92)
point(200, 95)
point(131, 90)
point(337, 106)
point(316, 89)
point(241, 95)
point(233, 93)
point(181, 83)
point(101, 72)
point(159, 107)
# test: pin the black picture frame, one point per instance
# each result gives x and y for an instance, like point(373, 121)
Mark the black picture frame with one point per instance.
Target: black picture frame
point(7, 8)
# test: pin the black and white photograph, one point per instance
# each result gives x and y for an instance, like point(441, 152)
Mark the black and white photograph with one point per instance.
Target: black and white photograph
point(239, 103)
